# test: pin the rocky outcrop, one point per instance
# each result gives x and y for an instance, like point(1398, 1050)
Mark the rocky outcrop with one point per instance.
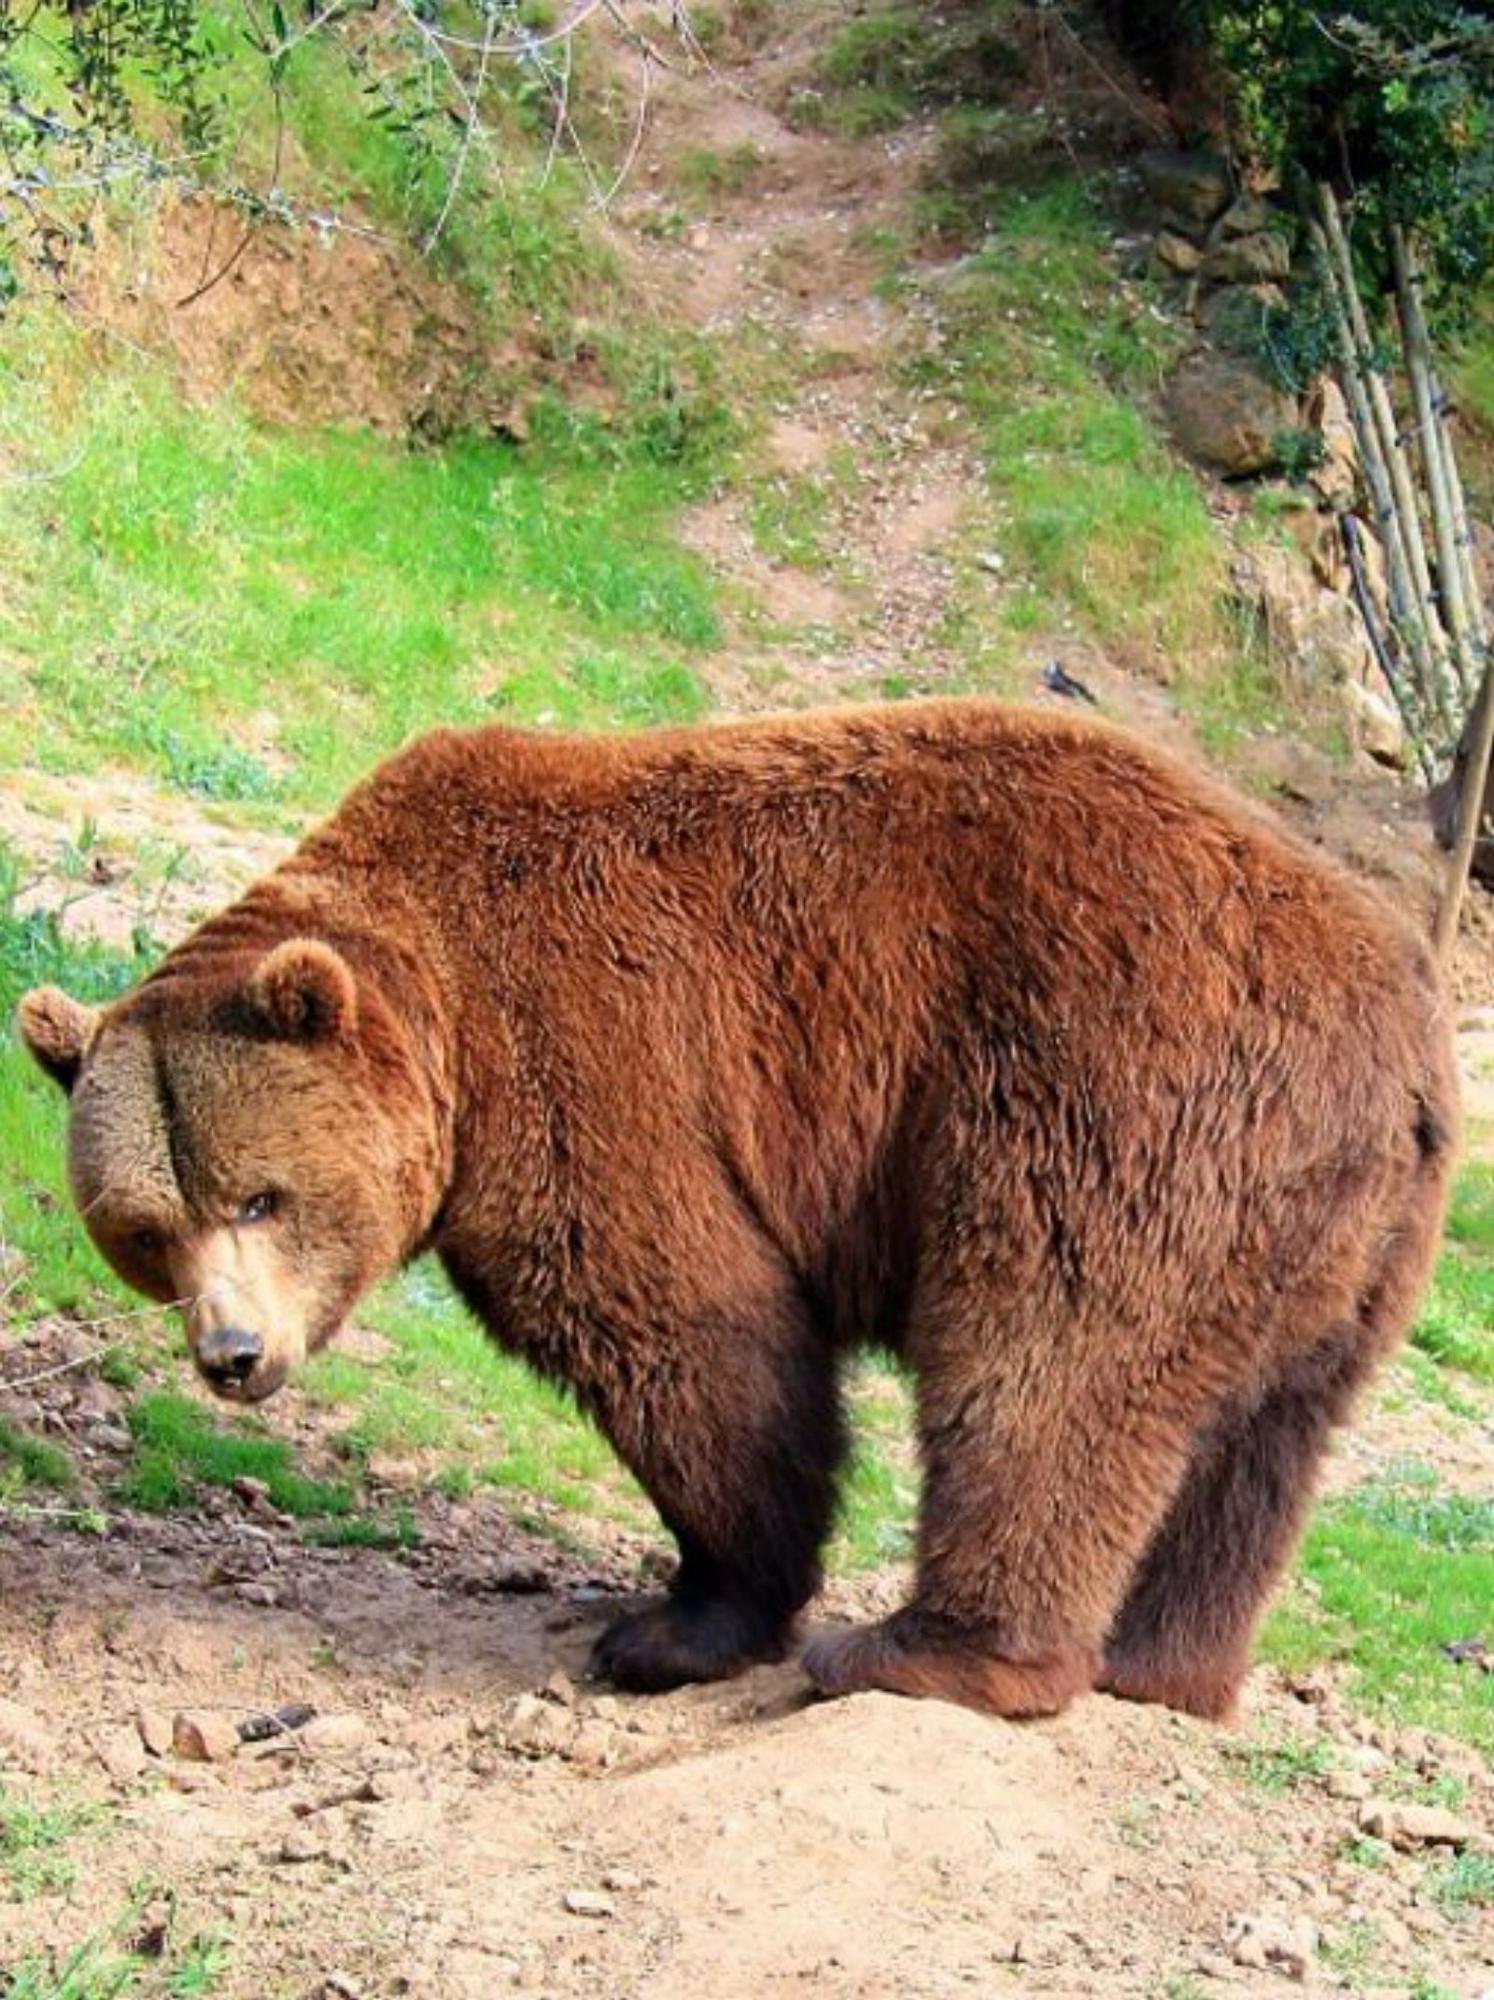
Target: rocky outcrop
point(1226, 414)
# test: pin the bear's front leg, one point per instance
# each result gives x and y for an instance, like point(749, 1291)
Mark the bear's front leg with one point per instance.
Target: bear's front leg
point(739, 1451)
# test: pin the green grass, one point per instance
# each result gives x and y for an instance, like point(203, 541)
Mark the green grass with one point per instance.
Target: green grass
point(57, 1268)
point(706, 173)
point(1278, 1768)
point(1104, 532)
point(34, 1839)
point(1463, 1884)
point(791, 518)
point(28, 1460)
point(195, 571)
point(470, 1416)
point(1455, 1327)
point(180, 1448)
point(113, 1965)
point(1394, 1572)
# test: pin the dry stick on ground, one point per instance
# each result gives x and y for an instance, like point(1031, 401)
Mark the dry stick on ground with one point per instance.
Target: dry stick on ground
point(1422, 608)
point(1434, 449)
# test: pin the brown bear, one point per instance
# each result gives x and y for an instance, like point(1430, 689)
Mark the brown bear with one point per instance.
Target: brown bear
point(702, 1058)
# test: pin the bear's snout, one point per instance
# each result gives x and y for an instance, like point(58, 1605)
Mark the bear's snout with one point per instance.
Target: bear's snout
point(228, 1356)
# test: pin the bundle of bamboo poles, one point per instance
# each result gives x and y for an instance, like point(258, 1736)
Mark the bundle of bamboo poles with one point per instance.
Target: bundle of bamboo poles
point(1435, 651)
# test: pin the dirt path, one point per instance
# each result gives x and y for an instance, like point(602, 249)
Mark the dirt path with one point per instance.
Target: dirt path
point(780, 257)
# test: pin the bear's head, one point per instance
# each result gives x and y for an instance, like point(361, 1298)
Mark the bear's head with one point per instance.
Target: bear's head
point(251, 1141)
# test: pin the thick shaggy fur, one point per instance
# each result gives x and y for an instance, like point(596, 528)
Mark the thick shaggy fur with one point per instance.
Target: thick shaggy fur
point(974, 1033)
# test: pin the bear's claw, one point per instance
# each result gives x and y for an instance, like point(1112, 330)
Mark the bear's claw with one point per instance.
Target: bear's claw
point(668, 1646)
point(911, 1654)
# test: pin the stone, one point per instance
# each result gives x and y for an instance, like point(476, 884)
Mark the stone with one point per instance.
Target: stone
point(1316, 634)
point(623, 1880)
point(520, 1579)
point(25, 1740)
point(334, 1735)
point(1347, 1784)
point(1226, 415)
point(1411, 1826)
point(537, 1728)
point(1194, 185)
point(1376, 728)
point(1246, 215)
point(303, 1843)
point(153, 1726)
point(560, 1688)
point(1176, 253)
point(594, 1746)
point(589, 1903)
point(203, 1736)
point(1279, 1944)
point(1335, 481)
point(122, 1755)
point(1239, 318)
point(1246, 260)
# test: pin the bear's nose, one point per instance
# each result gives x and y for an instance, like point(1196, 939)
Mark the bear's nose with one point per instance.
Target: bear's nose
point(228, 1355)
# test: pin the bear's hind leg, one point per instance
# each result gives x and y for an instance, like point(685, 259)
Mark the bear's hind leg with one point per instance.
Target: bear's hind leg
point(1042, 1486)
point(1183, 1635)
point(741, 1460)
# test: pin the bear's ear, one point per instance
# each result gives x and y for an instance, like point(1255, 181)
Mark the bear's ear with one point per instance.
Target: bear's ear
point(57, 1030)
point(304, 991)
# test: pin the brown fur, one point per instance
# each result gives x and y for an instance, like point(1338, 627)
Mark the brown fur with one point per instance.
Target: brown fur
point(703, 1058)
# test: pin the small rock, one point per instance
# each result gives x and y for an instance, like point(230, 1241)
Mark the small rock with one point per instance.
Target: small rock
point(589, 1903)
point(122, 1755)
point(264, 1594)
point(520, 1579)
point(24, 1738)
point(623, 1880)
point(1177, 253)
point(203, 1736)
point(1247, 260)
point(1262, 1943)
point(1194, 185)
point(537, 1728)
point(1374, 724)
point(1408, 1827)
point(252, 1490)
point(334, 1735)
point(560, 1687)
point(1346, 1785)
point(303, 1843)
point(1245, 216)
point(594, 1746)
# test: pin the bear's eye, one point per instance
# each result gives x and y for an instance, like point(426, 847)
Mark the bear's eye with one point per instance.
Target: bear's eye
point(147, 1241)
point(259, 1207)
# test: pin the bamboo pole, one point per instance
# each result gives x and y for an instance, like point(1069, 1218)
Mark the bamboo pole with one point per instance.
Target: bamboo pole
point(1439, 683)
point(1435, 447)
point(1470, 814)
point(1473, 596)
point(1348, 527)
point(1403, 612)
